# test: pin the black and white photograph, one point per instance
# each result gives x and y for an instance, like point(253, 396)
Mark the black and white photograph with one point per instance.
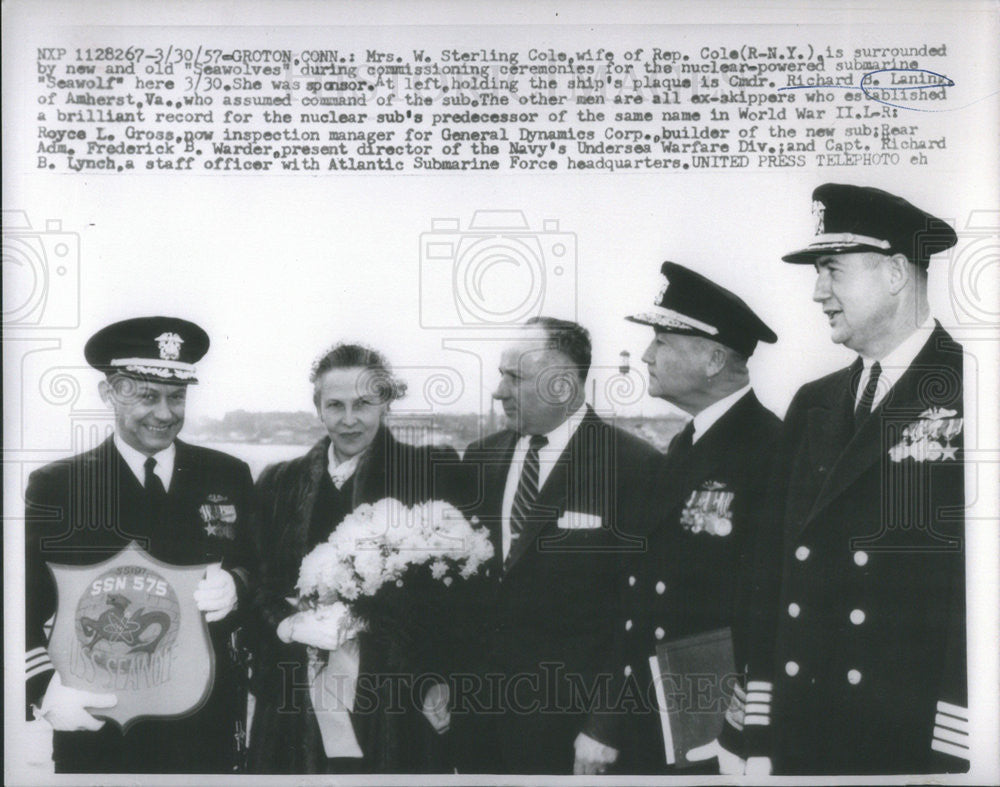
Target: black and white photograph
point(501, 393)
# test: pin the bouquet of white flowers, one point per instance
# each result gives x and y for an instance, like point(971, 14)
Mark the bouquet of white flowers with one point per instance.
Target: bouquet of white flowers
point(362, 571)
point(383, 582)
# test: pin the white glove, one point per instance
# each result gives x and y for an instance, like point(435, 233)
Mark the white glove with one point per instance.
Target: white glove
point(326, 629)
point(435, 707)
point(729, 764)
point(216, 593)
point(758, 766)
point(592, 756)
point(64, 708)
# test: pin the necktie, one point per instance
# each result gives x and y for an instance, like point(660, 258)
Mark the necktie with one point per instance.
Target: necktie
point(682, 441)
point(155, 491)
point(864, 407)
point(527, 491)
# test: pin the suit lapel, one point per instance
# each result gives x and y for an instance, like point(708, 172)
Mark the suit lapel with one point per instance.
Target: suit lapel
point(550, 502)
point(495, 463)
point(710, 450)
point(867, 445)
point(107, 457)
point(579, 462)
point(185, 471)
point(127, 494)
point(827, 427)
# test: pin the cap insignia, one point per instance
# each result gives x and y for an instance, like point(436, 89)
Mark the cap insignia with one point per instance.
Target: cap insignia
point(170, 346)
point(818, 210)
point(663, 290)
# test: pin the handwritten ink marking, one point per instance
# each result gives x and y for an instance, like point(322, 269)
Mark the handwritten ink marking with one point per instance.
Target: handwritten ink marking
point(864, 87)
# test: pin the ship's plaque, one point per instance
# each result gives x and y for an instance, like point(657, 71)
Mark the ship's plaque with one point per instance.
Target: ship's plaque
point(129, 626)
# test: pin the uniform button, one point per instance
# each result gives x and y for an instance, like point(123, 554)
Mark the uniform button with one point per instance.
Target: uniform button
point(628, 625)
point(802, 552)
point(794, 609)
point(857, 616)
point(861, 558)
point(631, 581)
point(854, 677)
point(628, 670)
point(661, 588)
point(659, 632)
point(792, 668)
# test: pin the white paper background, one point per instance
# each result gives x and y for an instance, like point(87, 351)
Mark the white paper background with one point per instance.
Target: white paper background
point(277, 267)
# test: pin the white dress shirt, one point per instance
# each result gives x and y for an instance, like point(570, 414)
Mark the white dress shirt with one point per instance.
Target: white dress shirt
point(894, 364)
point(707, 417)
point(548, 455)
point(136, 461)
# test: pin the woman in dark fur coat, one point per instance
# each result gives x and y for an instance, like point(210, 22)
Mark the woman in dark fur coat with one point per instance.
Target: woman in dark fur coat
point(300, 502)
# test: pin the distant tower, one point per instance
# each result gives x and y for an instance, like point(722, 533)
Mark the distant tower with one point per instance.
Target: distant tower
point(623, 362)
point(491, 425)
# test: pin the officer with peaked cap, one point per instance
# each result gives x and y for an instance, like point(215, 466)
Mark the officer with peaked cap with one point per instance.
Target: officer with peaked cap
point(184, 505)
point(701, 518)
point(862, 669)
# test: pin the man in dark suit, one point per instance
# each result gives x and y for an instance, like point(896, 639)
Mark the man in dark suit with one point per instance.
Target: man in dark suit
point(702, 512)
point(862, 669)
point(184, 505)
point(558, 490)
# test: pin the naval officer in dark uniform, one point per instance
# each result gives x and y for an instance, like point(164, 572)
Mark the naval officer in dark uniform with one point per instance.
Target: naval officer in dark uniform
point(865, 671)
point(184, 505)
point(702, 520)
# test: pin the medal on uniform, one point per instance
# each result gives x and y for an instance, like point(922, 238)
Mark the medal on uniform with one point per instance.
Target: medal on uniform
point(929, 438)
point(129, 626)
point(709, 510)
point(219, 515)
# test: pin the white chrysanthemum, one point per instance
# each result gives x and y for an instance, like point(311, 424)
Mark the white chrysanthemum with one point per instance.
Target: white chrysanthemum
point(314, 566)
point(369, 564)
point(396, 563)
point(342, 579)
point(438, 569)
point(364, 511)
point(350, 592)
point(377, 543)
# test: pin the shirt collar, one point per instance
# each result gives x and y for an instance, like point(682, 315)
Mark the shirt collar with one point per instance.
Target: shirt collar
point(896, 362)
point(707, 417)
point(559, 437)
point(136, 461)
point(339, 473)
point(904, 353)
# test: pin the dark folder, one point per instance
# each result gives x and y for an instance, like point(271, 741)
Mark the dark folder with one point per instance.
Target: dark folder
point(694, 678)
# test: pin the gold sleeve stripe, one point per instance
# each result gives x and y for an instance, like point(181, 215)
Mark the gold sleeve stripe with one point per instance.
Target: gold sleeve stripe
point(959, 725)
point(950, 748)
point(40, 669)
point(953, 710)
